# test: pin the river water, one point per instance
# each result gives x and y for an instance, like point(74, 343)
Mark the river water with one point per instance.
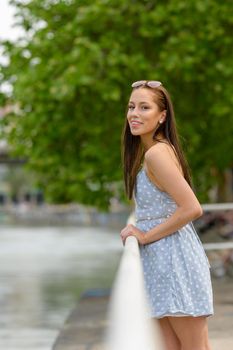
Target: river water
point(43, 273)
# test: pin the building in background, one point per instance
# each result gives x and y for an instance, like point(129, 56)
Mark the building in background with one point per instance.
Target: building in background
point(16, 184)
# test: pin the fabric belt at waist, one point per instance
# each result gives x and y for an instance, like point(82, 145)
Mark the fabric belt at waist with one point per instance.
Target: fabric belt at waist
point(151, 218)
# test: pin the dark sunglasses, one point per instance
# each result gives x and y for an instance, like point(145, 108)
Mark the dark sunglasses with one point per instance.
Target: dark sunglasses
point(150, 83)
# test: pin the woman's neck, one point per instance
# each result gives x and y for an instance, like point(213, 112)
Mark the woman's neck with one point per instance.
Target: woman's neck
point(149, 143)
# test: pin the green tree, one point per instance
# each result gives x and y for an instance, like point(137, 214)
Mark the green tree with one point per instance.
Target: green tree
point(71, 74)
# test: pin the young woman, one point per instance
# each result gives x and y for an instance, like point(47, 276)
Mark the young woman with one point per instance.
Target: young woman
point(176, 268)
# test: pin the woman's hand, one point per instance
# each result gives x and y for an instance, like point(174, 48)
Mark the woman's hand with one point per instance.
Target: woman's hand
point(131, 230)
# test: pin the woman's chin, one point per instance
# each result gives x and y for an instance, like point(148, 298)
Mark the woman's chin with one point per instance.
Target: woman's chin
point(135, 132)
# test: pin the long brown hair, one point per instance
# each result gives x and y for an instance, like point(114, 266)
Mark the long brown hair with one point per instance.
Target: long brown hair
point(132, 151)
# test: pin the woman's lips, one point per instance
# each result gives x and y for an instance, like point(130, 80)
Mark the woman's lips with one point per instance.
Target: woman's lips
point(134, 123)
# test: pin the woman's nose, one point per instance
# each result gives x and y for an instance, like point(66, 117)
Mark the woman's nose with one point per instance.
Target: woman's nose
point(135, 112)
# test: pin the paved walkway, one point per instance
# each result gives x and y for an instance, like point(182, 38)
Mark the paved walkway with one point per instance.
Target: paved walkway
point(85, 327)
point(221, 324)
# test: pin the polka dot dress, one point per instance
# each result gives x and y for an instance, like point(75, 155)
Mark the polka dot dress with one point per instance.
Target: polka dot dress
point(176, 268)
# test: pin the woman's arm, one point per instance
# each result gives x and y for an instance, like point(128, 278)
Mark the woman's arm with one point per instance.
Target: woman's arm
point(158, 159)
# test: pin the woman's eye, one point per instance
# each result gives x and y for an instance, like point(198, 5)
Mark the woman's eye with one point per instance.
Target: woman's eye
point(142, 107)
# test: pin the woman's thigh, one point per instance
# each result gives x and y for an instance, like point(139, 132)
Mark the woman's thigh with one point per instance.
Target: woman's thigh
point(170, 338)
point(191, 331)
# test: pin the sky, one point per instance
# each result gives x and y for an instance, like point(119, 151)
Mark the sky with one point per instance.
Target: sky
point(6, 21)
point(6, 31)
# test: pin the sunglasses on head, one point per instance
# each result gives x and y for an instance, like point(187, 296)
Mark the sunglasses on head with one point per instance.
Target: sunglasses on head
point(150, 83)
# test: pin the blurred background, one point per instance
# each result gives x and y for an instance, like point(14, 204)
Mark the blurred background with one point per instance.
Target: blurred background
point(66, 68)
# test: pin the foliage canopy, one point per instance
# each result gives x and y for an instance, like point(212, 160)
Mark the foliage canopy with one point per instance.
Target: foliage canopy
point(71, 74)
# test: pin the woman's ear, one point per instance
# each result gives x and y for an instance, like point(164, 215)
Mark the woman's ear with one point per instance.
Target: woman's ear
point(163, 116)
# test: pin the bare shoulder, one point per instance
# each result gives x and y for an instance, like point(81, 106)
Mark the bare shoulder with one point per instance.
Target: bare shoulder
point(157, 148)
point(161, 152)
point(162, 165)
point(161, 161)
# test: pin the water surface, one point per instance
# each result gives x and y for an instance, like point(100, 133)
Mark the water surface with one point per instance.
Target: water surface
point(43, 273)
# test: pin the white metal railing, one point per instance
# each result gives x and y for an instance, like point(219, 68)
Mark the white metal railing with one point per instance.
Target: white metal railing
point(217, 206)
point(130, 326)
point(218, 246)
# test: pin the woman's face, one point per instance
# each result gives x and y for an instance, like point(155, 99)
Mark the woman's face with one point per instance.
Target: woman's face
point(143, 114)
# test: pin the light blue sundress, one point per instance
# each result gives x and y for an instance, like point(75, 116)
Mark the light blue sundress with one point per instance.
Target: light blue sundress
point(176, 268)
